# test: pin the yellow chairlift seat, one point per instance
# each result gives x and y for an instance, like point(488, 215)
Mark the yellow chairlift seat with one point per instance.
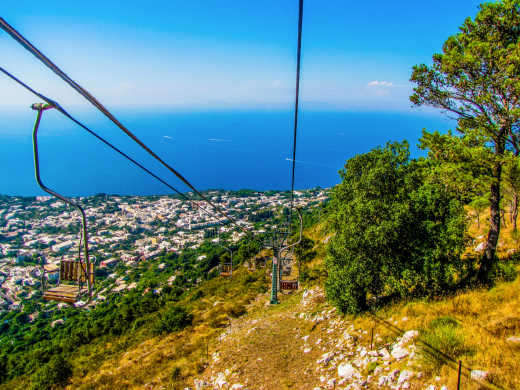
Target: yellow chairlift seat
point(289, 284)
point(286, 263)
point(75, 277)
point(226, 269)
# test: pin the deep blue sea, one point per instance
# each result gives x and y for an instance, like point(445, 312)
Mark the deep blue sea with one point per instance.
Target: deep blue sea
point(224, 150)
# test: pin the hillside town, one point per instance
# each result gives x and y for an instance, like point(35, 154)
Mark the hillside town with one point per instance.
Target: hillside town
point(36, 233)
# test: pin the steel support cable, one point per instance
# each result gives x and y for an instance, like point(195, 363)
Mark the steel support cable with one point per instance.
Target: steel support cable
point(67, 115)
point(297, 96)
point(78, 88)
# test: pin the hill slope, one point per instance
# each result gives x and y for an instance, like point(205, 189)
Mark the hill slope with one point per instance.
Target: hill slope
point(239, 341)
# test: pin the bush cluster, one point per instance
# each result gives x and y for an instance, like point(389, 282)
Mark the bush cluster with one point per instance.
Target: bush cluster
point(397, 231)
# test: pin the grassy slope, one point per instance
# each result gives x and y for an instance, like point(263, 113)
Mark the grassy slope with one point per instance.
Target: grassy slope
point(265, 351)
point(262, 345)
point(169, 359)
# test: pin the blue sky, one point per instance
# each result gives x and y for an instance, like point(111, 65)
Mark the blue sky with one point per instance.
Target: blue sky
point(208, 54)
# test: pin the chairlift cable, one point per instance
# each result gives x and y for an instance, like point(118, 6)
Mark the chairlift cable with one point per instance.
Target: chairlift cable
point(47, 62)
point(92, 132)
point(296, 100)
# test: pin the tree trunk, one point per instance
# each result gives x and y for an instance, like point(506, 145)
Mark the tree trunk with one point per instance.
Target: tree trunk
point(494, 220)
point(514, 211)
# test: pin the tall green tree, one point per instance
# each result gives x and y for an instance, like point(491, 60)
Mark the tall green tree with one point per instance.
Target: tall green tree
point(476, 78)
point(397, 231)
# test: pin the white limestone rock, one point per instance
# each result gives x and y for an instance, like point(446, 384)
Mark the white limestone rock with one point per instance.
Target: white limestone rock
point(199, 384)
point(237, 386)
point(353, 386)
point(405, 376)
point(221, 380)
point(479, 375)
point(399, 352)
point(325, 358)
point(383, 381)
point(393, 375)
point(410, 335)
point(383, 352)
point(347, 371)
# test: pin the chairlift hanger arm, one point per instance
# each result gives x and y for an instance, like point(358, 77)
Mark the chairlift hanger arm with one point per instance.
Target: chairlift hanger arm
point(301, 232)
point(40, 108)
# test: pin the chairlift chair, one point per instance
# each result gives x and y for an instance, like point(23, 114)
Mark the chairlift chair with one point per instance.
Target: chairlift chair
point(286, 262)
point(286, 270)
point(76, 277)
point(225, 269)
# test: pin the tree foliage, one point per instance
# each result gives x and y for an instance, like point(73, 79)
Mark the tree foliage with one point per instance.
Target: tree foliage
point(174, 319)
point(53, 374)
point(397, 232)
point(476, 78)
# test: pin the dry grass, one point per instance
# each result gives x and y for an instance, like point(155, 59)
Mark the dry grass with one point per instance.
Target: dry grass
point(171, 361)
point(270, 355)
point(263, 350)
point(509, 240)
point(486, 318)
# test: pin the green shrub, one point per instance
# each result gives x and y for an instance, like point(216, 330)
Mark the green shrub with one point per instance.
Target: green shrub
point(443, 337)
point(371, 367)
point(398, 231)
point(237, 310)
point(504, 271)
point(174, 319)
point(176, 373)
point(443, 322)
point(55, 373)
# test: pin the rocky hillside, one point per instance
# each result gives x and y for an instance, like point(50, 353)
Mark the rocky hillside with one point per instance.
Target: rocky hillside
point(239, 341)
point(236, 340)
point(305, 344)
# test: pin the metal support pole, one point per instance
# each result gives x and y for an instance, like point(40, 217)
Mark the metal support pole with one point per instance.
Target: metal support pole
point(458, 378)
point(274, 279)
point(231, 262)
point(280, 267)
